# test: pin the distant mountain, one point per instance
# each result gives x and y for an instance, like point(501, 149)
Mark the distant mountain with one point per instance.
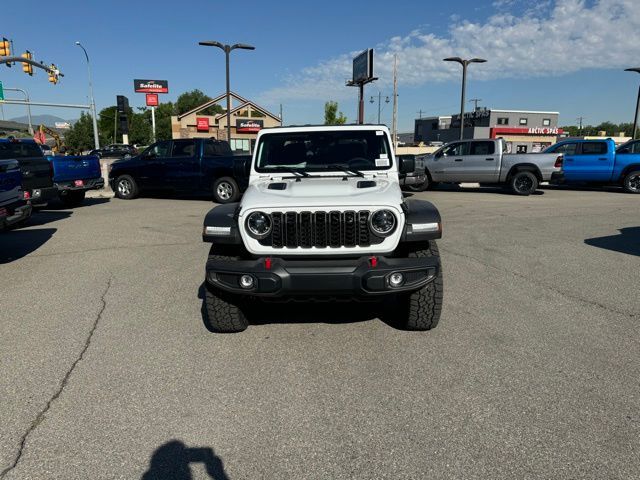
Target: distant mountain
point(48, 120)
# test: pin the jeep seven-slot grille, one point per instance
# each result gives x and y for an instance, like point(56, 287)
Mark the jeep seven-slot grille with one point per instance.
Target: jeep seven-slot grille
point(320, 230)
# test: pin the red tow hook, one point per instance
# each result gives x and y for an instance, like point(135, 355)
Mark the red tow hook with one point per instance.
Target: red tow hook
point(373, 261)
point(267, 263)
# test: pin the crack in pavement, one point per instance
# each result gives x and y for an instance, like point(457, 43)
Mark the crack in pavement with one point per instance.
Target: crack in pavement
point(41, 415)
point(631, 315)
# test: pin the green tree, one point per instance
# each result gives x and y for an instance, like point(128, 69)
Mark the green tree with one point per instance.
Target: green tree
point(331, 115)
point(192, 99)
point(80, 135)
point(163, 120)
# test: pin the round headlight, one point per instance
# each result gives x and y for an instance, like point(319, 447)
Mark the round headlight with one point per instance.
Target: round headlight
point(259, 224)
point(383, 222)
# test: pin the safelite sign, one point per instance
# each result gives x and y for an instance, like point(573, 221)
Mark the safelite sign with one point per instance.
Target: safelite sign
point(152, 99)
point(151, 86)
point(249, 126)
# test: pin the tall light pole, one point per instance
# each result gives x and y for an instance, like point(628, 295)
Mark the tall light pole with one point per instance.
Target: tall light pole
point(635, 118)
point(26, 98)
point(465, 64)
point(379, 102)
point(227, 50)
point(96, 140)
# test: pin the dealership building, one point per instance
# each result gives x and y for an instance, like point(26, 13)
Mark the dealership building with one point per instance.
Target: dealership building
point(523, 131)
point(247, 119)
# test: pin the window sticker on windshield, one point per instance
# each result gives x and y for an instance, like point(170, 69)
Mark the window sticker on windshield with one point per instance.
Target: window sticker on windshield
point(384, 155)
point(382, 162)
point(379, 133)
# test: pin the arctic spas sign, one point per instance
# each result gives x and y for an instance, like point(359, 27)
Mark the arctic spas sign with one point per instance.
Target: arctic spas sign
point(151, 86)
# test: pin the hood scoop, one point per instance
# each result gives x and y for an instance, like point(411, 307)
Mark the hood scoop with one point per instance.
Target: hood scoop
point(366, 184)
point(277, 186)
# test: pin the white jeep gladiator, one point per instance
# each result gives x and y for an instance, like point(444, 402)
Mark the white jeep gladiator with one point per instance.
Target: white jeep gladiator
point(323, 218)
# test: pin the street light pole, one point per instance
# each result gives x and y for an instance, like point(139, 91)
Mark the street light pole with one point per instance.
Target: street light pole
point(96, 140)
point(635, 118)
point(227, 51)
point(26, 98)
point(465, 64)
point(379, 103)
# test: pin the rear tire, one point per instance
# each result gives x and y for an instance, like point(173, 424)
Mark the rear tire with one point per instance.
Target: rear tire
point(631, 182)
point(421, 310)
point(523, 183)
point(225, 190)
point(126, 187)
point(73, 198)
point(223, 315)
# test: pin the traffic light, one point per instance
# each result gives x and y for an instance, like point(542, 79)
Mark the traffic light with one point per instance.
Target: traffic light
point(27, 67)
point(5, 50)
point(53, 74)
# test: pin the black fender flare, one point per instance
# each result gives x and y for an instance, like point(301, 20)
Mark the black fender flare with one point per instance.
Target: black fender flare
point(627, 169)
point(225, 219)
point(526, 167)
point(420, 213)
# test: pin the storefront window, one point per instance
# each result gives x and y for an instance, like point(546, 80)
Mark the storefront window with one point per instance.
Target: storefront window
point(523, 121)
point(546, 122)
point(503, 121)
point(240, 145)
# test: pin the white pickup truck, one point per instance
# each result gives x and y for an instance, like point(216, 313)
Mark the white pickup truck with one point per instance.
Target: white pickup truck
point(323, 218)
point(487, 162)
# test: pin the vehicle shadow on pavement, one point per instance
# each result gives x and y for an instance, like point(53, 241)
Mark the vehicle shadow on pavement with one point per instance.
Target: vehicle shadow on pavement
point(331, 312)
point(171, 461)
point(493, 190)
point(16, 244)
point(87, 202)
point(42, 217)
point(627, 241)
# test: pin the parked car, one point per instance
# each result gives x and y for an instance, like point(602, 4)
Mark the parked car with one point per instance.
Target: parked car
point(14, 209)
point(115, 150)
point(37, 172)
point(414, 180)
point(323, 217)
point(487, 162)
point(74, 175)
point(598, 162)
point(191, 166)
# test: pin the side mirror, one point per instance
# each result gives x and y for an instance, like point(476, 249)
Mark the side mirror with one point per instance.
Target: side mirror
point(149, 155)
point(406, 165)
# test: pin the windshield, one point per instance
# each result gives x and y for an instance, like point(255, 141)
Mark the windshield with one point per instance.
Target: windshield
point(324, 151)
point(19, 150)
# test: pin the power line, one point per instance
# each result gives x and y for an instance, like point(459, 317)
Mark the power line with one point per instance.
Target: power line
point(475, 102)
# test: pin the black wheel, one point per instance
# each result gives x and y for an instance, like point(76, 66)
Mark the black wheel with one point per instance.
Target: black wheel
point(225, 190)
point(223, 315)
point(126, 187)
point(72, 198)
point(419, 187)
point(421, 310)
point(523, 183)
point(632, 182)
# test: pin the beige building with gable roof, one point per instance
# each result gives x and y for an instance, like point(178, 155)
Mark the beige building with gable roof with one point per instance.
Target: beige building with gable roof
point(247, 119)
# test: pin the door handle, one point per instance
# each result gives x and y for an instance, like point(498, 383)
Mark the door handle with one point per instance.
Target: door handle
point(568, 159)
point(458, 160)
point(489, 159)
point(603, 159)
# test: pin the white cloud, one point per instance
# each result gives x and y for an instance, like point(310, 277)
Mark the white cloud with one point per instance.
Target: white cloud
point(548, 40)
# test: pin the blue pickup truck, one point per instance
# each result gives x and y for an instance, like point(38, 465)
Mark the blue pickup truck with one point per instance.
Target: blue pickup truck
point(13, 208)
point(598, 162)
point(74, 175)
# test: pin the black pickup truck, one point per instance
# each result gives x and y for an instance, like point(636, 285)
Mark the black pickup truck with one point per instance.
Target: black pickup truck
point(200, 166)
point(37, 172)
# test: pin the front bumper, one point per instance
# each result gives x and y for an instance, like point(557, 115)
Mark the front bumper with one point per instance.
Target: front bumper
point(12, 215)
point(359, 277)
point(89, 184)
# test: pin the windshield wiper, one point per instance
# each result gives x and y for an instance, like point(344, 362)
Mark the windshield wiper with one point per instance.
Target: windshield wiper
point(295, 171)
point(345, 169)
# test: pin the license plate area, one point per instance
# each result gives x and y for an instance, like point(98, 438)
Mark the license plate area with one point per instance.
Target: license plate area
point(78, 183)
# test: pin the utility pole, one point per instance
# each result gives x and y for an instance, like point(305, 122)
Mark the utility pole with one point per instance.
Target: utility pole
point(281, 118)
point(580, 125)
point(395, 103)
point(475, 103)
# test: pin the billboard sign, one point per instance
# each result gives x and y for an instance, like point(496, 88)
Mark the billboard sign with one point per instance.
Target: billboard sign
point(151, 86)
point(152, 99)
point(202, 124)
point(249, 126)
point(363, 66)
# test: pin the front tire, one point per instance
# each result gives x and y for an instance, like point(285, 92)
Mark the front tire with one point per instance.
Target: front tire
point(225, 190)
point(72, 198)
point(523, 183)
point(126, 187)
point(631, 182)
point(223, 315)
point(421, 310)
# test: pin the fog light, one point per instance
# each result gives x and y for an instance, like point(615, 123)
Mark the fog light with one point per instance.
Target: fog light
point(246, 281)
point(396, 279)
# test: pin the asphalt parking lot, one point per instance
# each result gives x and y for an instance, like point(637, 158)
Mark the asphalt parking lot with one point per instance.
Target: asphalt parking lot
point(108, 371)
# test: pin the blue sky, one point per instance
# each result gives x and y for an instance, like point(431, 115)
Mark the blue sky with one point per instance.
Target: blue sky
point(565, 56)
